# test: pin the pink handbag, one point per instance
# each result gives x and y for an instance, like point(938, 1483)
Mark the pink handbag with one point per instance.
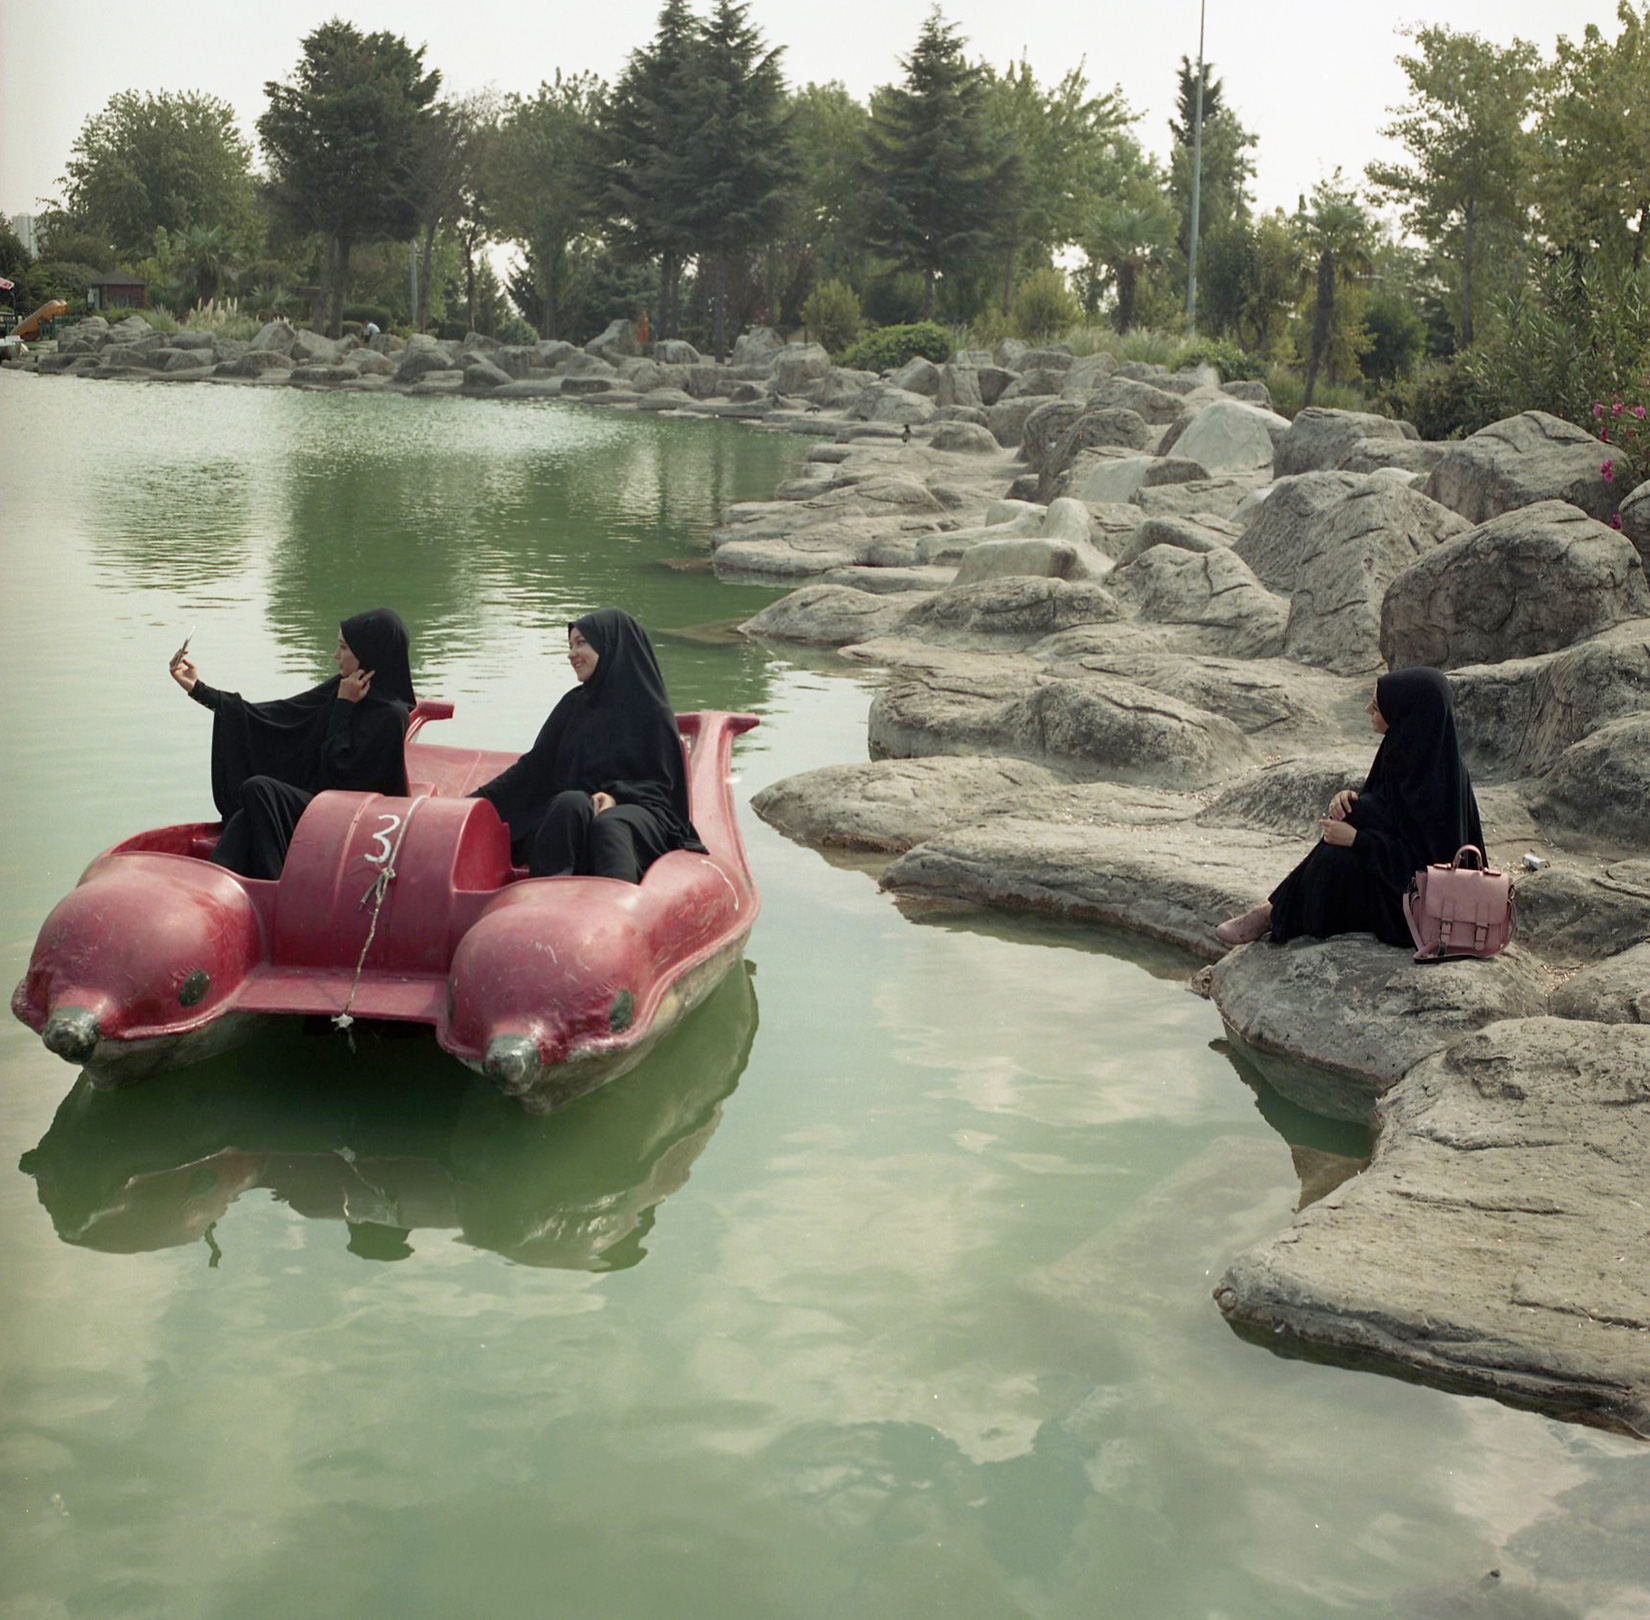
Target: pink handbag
point(1460, 910)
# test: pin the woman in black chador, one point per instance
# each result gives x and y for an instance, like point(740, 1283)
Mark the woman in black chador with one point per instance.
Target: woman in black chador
point(603, 790)
point(1416, 808)
point(270, 759)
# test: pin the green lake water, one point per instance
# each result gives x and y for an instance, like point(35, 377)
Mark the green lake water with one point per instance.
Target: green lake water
point(882, 1289)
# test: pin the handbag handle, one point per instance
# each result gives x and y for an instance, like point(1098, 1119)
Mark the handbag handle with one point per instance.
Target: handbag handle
point(1469, 849)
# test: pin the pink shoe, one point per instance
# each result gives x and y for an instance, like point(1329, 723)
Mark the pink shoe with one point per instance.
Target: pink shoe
point(1246, 929)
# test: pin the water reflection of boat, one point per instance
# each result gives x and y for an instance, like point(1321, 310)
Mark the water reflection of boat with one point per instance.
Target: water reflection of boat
point(386, 1143)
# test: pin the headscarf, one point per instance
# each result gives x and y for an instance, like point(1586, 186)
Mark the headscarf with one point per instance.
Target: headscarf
point(379, 641)
point(1418, 799)
point(614, 733)
point(295, 740)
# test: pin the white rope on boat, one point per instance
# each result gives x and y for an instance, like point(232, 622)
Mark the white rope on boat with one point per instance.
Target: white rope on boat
point(376, 893)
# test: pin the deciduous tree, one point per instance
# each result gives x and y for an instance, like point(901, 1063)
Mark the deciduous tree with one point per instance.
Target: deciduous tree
point(158, 161)
point(1468, 149)
point(343, 141)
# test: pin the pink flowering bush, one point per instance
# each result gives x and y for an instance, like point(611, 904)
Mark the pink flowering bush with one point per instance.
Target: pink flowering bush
point(1624, 425)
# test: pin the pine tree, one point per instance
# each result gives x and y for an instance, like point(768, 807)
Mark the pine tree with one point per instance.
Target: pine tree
point(637, 176)
point(737, 162)
point(940, 183)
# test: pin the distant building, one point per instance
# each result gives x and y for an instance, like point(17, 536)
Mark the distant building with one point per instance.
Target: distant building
point(23, 224)
point(120, 289)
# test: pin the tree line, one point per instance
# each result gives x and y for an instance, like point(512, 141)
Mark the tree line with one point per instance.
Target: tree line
point(702, 188)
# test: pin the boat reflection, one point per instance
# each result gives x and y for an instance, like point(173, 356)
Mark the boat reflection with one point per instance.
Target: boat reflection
point(392, 1141)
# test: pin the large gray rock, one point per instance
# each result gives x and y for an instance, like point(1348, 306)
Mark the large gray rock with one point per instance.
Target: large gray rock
point(310, 346)
point(917, 376)
point(420, 359)
point(675, 352)
point(1171, 882)
point(1211, 497)
point(1321, 440)
point(798, 364)
point(1059, 432)
point(828, 616)
point(1009, 613)
point(1287, 797)
point(1097, 727)
point(1334, 1023)
point(1190, 534)
point(1498, 1244)
point(255, 363)
point(964, 438)
point(1353, 554)
point(993, 381)
point(84, 337)
point(1008, 417)
point(1405, 455)
point(757, 347)
point(1515, 718)
point(481, 375)
point(1281, 530)
point(1616, 991)
point(1105, 475)
point(959, 386)
point(1525, 459)
point(883, 402)
point(1155, 405)
point(1635, 522)
point(1227, 435)
point(275, 336)
point(1210, 593)
point(617, 342)
point(1531, 581)
point(890, 804)
point(1571, 913)
point(1598, 792)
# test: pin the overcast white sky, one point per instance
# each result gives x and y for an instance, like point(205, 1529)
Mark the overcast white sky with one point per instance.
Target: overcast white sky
point(1312, 78)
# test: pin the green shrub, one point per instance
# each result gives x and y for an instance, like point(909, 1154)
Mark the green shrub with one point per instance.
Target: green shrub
point(893, 300)
point(832, 315)
point(889, 347)
point(517, 331)
point(1397, 339)
point(1044, 306)
point(1233, 364)
point(1287, 387)
point(1562, 343)
point(1438, 398)
point(362, 313)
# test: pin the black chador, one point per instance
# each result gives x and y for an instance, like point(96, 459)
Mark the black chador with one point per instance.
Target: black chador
point(1415, 808)
point(614, 733)
point(270, 759)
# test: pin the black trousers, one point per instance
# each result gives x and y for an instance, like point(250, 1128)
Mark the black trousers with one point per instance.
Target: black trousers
point(254, 840)
point(573, 841)
point(1330, 892)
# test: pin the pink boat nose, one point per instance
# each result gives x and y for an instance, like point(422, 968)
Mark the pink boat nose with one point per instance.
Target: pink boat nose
point(514, 1063)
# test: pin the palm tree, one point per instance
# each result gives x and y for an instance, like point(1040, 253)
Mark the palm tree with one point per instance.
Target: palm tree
point(202, 261)
point(1340, 232)
point(1124, 235)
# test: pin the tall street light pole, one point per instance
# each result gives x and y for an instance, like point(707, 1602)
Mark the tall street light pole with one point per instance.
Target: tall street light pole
point(1197, 177)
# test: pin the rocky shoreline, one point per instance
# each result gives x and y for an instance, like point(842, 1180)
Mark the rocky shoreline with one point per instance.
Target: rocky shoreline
point(1129, 622)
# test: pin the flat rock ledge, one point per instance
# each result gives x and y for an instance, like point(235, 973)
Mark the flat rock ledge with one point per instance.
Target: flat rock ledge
point(1333, 1024)
point(1171, 882)
point(1499, 1242)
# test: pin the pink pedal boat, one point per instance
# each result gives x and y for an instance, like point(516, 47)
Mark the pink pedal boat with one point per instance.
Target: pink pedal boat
point(406, 910)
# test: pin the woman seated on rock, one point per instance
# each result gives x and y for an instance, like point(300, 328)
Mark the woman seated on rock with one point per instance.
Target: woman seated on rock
point(1415, 808)
point(270, 759)
point(603, 790)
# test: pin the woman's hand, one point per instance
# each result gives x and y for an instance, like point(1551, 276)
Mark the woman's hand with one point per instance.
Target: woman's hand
point(1340, 807)
point(603, 801)
point(1338, 832)
point(355, 685)
point(183, 672)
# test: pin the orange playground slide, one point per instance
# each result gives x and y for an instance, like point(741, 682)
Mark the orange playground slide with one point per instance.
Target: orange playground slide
point(30, 325)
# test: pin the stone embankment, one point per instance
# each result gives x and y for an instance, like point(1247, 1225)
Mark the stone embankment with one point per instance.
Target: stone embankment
point(1129, 622)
